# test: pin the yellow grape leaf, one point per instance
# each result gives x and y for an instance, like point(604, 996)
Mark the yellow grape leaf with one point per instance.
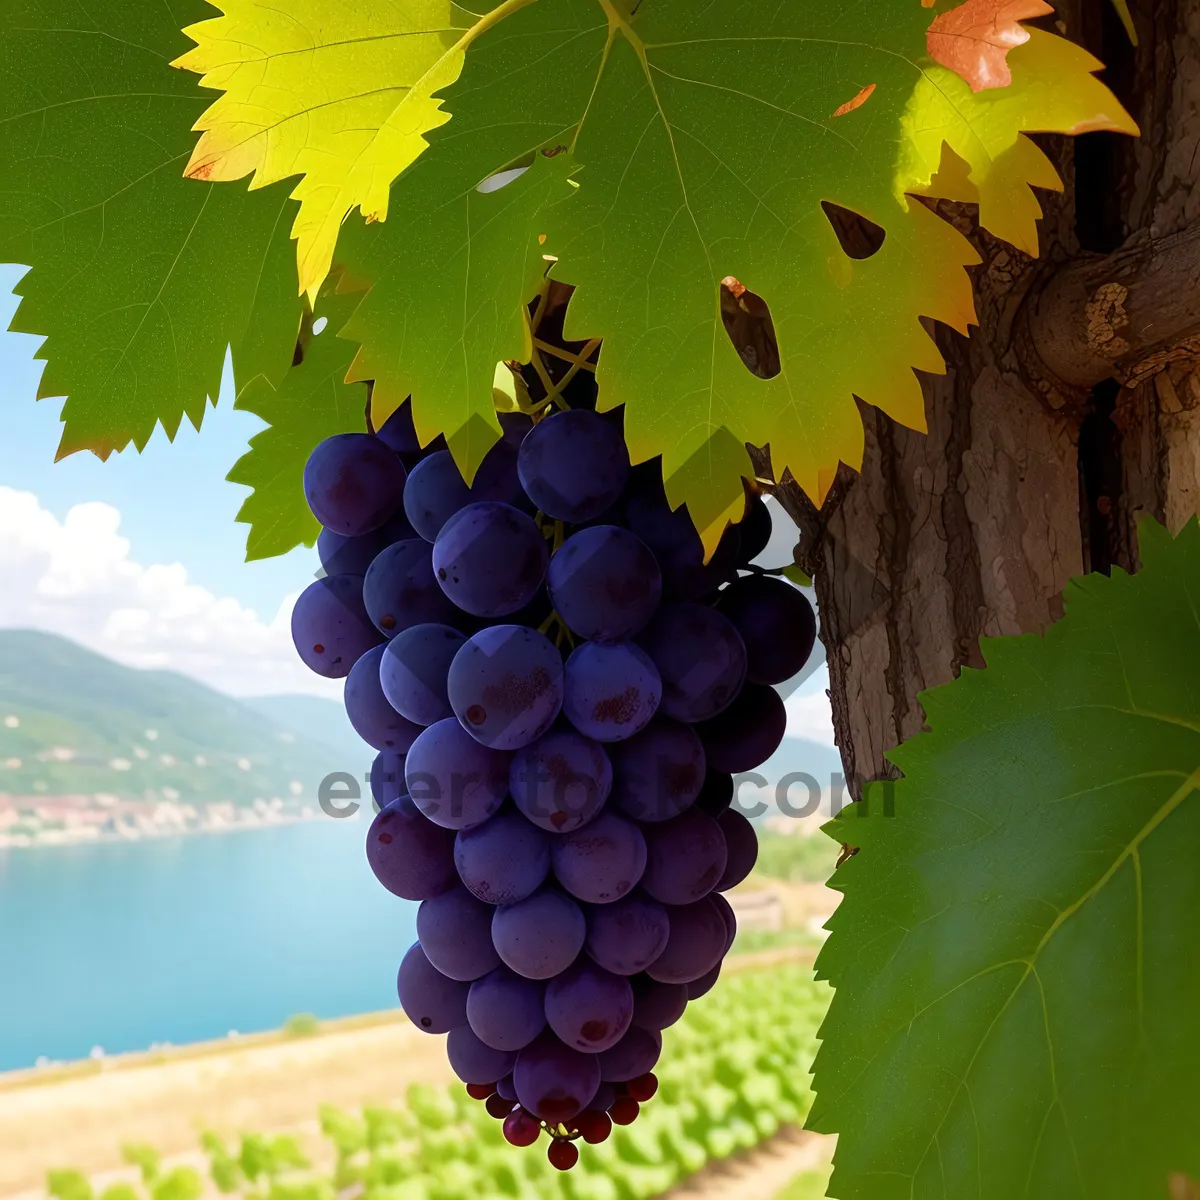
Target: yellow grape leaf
point(337, 92)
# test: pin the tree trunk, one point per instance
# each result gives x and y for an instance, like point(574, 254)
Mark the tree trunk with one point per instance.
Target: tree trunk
point(1073, 409)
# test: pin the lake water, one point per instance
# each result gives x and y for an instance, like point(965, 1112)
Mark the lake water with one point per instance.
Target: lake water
point(126, 945)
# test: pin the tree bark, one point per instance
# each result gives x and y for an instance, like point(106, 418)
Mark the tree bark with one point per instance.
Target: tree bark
point(1073, 409)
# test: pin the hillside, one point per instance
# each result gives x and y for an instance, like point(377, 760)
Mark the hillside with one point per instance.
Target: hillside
point(73, 722)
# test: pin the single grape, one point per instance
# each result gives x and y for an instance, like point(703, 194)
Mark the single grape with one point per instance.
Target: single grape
point(594, 1124)
point(473, 1062)
point(506, 1011)
point(700, 659)
point(659, 772)
point(589, 1008)
point(633, 1056)
point(755, 530)
point(490, 559)
point(539, 937)
point(604, 583)
point(387, 779)
point(742, 843)
point(481, 1091)
point(573, 465)
point(330, 626)
point(411, 856)
point(624, 1111)
point(656, 1005)
point(499, 1108)
point(563, 1155)
point(610, 691)
point(600, 862)
point(413, 672)
point(521, 1129)
point(747, 733)
point(504, 1087)
point(603, 1100)
point(436, 489)
point(727, 915)
point(452, 779)
point(400, 591)
point(430, 1000)
point(685, 858)
point(354, 555)
point(703, 985)
point(626, 937)
point(553, 1081)
point(373, 718)
point(503, 860)
point(455, 931)
point(399, 433)
point(696, 944)
point(353, 483)
point(505, 685)
point(644, 1088)
point(775, 621)
point(560, 782)
point(717, 793)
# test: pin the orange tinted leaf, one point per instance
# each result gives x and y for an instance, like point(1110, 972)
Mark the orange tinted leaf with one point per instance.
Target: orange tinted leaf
point(974, 39)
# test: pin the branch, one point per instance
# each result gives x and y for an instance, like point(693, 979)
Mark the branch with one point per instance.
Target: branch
point(1124, 315)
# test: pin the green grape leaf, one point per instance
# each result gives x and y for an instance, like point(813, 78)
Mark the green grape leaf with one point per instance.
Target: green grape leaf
point(312, 402)
point(1017, 987)
point(140, 278)
point(671, 146)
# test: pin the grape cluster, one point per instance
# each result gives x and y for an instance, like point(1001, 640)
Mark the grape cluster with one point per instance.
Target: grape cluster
point(560, 689)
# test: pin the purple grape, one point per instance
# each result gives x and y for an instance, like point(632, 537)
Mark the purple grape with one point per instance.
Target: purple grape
point(452, 779)
point(632, 1057)
point(475, 1062)
point(554, 1082)
point(387, 779)
point(703, 985)
point(503, 860)
point(373, 718)
point(505, 685)
point(604, 583)
point(589, 1008)
point(676, 545)
point(411, 856)
point(600, 862)
point(490, 559)
point(455, 931)
point(685, 858)
point(700, 658)
point(400, 590)
point(573, 465)
point(436, 489)
point(696, 944)
point(747, 733)
point(658, 1006)
point(626, 937)
point(560, 782)
point(742, 844)
point(413, 672)
point(354, 555)
point(539, 937)
point(658, 773)
point(610, 692)
point(776, 623)
point(717, 793)
point(505, 1089)
point(353, 483)
point(755, 531)
point(430, 1000)
point(330, 626)
point(604, 1099)
point(399, 433)
point(506, 1011)
point(727, 915)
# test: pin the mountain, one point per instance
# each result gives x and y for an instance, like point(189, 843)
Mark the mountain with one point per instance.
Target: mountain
point(73, 722)
point(324, 721)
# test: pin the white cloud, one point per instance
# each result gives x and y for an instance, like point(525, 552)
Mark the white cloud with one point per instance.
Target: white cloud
point(808, 711)
point(76, 578)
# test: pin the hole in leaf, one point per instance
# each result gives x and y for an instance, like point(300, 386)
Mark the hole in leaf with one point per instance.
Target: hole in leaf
point(747, 320)
point(502, 178)
point(319, 326)
point(858, 237)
